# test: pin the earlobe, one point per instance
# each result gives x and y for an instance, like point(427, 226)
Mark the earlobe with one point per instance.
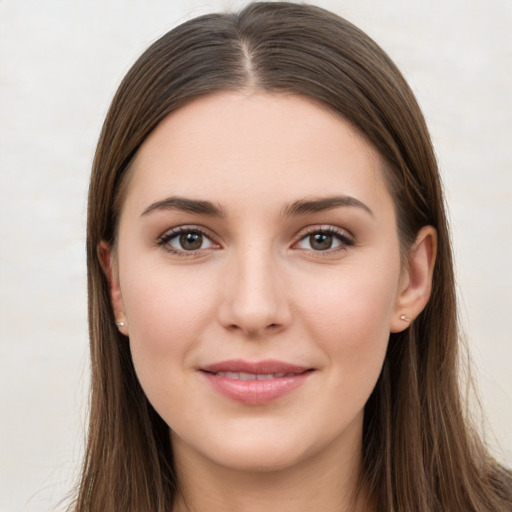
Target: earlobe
point(108, 264)
point(416, 283)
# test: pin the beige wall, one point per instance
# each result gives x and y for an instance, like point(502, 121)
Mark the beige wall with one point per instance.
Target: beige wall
point(60, 62)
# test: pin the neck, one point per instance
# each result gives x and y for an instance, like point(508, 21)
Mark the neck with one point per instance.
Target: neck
point(328, 481)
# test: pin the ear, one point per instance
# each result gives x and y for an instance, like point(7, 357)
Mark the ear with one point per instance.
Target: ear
point(109, 266)
point(416, 281)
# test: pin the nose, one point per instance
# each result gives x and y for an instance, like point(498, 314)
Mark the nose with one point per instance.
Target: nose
point(255, 299)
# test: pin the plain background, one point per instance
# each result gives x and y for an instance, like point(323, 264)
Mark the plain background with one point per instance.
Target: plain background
point(60, 62)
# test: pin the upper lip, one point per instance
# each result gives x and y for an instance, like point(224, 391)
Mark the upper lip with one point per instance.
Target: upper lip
point(264, 367)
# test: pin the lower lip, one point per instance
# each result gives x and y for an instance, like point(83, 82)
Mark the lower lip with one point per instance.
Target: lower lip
point(256, 392)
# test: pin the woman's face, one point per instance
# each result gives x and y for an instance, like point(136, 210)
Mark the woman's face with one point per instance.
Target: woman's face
point(258, 268)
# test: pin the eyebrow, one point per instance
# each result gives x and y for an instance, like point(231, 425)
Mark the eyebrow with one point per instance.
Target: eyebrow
point(186, 205)
point(321, 204)
point(300, 207)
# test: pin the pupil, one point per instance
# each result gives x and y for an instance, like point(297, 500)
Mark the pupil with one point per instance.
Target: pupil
point(321, 241)
point(191, 241)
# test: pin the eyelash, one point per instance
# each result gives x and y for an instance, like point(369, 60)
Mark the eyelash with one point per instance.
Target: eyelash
point(173, 233)
point(341, 235)
point(344, 239)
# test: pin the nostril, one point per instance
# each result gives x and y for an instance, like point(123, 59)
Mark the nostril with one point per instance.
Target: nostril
point(253, 331)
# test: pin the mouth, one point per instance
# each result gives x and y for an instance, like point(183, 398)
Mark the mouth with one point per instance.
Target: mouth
point(255, 383)
point(253, 376)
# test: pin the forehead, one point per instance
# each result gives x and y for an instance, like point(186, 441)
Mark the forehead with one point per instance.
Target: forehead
point(250, 146)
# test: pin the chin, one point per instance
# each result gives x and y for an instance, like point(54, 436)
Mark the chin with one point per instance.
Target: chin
point(250, 448)
point(258, 457)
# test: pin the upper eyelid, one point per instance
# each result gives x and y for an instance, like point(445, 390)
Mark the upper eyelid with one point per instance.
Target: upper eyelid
point(326, 228)
point(176, 230)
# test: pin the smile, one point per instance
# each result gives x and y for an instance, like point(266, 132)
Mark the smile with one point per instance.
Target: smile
point(253, 376)
point(255, 383)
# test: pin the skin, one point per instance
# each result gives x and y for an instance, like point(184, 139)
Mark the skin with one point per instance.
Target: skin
point(259, 288)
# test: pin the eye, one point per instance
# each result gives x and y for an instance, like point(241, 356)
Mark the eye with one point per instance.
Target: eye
point(185, 239)
point(325, 239)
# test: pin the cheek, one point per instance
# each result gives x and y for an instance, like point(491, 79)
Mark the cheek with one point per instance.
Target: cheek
point(167, 310)
point(354, 302)
point(350, 321)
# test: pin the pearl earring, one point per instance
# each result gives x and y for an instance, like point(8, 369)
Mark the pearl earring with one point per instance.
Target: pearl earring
point(122, 322)
point(405, 318)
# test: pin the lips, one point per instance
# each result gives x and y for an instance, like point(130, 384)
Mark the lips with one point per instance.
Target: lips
point(255, 383)
point(253, 376)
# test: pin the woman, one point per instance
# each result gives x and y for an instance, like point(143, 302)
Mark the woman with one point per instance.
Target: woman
point(271, 296)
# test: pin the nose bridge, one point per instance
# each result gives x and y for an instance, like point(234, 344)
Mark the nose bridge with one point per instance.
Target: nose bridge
point(255, 299)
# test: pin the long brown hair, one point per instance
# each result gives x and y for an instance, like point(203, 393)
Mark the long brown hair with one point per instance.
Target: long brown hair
point(419, 452)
